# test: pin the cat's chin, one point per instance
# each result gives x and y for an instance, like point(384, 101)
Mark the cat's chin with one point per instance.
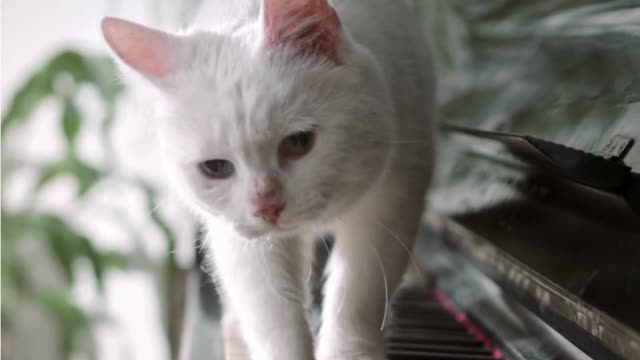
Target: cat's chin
point(263, 231)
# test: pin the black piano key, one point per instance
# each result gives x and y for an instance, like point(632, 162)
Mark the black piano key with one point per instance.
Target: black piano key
point(462, 339)
point(410, 310)
point(420, 328)
point(433, 348)
point(427, 323)
point(414, 313)
point(422, 355)
point(470, 342)
point(427, 305)
point(416, 301)
point(426, 331)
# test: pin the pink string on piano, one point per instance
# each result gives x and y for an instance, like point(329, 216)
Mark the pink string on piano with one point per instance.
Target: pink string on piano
point(461, 318)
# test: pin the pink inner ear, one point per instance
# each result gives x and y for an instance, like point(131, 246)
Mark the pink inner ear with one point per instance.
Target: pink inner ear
point(308, 26)
point(149, 51)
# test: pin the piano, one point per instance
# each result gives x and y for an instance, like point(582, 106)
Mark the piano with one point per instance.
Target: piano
point(543, 250)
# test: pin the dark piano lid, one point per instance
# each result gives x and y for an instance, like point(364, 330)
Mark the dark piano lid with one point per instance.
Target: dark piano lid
point(558, 228)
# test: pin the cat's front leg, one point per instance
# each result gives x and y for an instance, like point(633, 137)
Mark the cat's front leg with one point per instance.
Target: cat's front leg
point(373, 245)
point(264, 286)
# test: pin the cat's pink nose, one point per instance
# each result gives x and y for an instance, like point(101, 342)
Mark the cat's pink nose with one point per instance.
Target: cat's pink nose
point(270, 212)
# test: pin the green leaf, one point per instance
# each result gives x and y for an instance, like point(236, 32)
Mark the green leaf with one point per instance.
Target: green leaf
point(63, 241)
point(101, 261)
point(14, 227)
point(14, 282)
point(65, 308)
point(73, 320)
point(27, 98)
point(169, 237)
point(71, 121)
point(69, 246)
point(49, 172)
point(86, 175)
point(66, 244)
point(98, 71)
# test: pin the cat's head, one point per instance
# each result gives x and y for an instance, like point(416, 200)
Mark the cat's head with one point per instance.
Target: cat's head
point(270, 125)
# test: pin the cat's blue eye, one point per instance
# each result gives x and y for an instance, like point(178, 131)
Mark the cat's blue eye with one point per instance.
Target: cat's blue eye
point(217, 168)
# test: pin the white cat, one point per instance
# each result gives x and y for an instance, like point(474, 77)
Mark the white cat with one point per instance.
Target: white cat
point(298, 117)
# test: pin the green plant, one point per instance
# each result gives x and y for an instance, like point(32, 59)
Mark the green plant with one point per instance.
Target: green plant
point(59, 80)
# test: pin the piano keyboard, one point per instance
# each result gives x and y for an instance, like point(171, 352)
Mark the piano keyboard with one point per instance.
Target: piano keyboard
point(424, 325)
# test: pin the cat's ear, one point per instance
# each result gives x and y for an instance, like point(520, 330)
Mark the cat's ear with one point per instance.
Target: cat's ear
point(308, 27)
point(153, 53)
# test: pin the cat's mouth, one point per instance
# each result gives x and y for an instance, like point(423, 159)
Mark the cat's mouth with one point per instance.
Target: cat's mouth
point(286, 226)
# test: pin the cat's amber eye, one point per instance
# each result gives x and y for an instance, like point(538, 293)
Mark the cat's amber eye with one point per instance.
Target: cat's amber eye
point(217, 168)
point(296, 145)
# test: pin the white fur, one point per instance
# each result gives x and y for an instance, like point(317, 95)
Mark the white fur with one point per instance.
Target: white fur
point(365, 180)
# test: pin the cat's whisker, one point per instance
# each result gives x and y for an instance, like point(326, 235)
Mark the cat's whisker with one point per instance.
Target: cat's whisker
point(386, 289)
point(200, 245)
point(155, 208)
point(326, 244)
point(342, 297)
point(344, 290)
point(267, 272)
point(406, 248)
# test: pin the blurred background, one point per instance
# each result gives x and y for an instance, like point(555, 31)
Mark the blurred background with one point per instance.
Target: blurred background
point(97, 257)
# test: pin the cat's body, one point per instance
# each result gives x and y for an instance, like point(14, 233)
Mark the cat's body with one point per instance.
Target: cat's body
point(323, 122)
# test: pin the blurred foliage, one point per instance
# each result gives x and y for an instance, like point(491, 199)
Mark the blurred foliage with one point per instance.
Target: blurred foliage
point(562, 70)
point(59, 80)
